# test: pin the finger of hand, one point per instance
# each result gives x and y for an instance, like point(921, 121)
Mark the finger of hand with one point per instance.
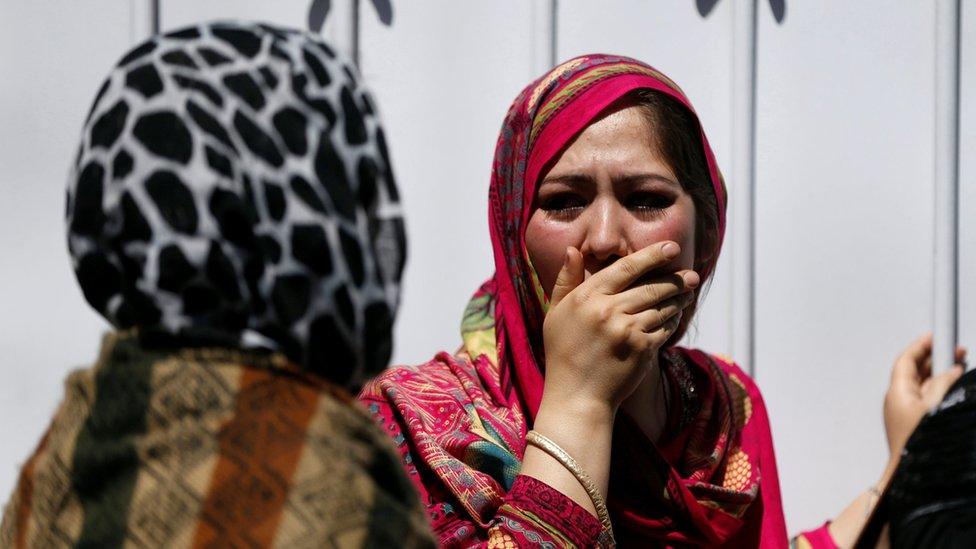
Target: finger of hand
point(905, 372)
point(623, 272)
point(919, 349)
point(653, 318)
point(934, 391)
point(569, 277)
point(658, 337)
point(925, 369)
point(646, 294)
point(961, 354)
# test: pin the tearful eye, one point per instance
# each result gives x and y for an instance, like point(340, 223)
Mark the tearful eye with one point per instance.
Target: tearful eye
point(644, 201)
point(562, 204)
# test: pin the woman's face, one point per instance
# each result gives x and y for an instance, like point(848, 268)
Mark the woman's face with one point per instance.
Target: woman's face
point(609, 194)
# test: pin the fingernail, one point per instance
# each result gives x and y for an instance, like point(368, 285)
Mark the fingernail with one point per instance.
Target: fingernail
point(691, 279)
point(671, 250)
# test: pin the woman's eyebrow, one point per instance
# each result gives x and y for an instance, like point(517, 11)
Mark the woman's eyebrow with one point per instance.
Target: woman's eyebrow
point(570, 179)
point(634, 179)
point(575, 180)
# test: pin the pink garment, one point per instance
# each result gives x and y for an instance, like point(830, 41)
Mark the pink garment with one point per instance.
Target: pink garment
point(462, 448)
point(462, 443)
point(815, 539)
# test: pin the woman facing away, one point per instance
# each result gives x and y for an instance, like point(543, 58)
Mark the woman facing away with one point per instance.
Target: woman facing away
point(233, 215)
point(569, 417)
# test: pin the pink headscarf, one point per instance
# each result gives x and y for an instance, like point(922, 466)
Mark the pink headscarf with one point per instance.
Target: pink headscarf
point(545, 117)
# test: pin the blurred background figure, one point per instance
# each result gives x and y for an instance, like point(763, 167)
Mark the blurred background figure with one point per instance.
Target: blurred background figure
point(232, 213)
point(931, 498)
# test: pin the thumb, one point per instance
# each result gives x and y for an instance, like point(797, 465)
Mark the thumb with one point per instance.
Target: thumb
point(569, 277)
point(939, 385)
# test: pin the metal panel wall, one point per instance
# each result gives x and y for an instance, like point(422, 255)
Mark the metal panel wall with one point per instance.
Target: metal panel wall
point(290, 13)
point(844, 229)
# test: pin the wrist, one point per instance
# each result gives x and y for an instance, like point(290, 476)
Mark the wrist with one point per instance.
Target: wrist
point(583, 428)
point(889, 470)
point(585, 411)
point(570, 421)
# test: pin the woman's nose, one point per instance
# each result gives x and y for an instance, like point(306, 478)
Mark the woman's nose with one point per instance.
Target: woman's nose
point(605, 241)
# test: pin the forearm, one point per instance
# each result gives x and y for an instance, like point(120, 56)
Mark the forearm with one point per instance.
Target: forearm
point(849, 523)
point(584, 430)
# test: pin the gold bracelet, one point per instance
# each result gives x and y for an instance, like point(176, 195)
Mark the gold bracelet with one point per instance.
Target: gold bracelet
point(543, 443)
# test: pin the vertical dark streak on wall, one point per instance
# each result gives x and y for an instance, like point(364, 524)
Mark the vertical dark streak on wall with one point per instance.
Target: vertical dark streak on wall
point(154, 16)
point(355, 31)
point(553, 33)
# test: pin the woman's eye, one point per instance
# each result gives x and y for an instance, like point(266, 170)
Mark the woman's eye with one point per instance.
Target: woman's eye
point(649, 201)
point(563, 204)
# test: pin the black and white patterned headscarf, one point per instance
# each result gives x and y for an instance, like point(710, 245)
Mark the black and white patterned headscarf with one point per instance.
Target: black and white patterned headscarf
point(233, 185)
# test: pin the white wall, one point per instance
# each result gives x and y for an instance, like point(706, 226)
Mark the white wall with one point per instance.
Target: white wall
point(52, 61)
point(844, 232)
point(844, 214)
point(967, 178)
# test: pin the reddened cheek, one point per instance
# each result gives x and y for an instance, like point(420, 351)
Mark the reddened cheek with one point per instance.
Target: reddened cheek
point(675, 228)
point(546, 243)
